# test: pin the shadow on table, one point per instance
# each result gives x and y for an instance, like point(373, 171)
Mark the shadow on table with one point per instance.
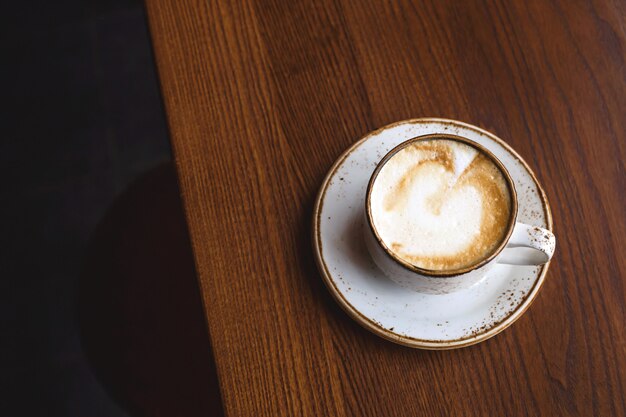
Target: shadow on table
point(139, 306)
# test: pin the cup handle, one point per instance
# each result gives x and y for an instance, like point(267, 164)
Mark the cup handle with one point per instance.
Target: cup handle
point(528, 245)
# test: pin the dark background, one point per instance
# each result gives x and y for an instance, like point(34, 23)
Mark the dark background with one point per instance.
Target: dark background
point(81, 119)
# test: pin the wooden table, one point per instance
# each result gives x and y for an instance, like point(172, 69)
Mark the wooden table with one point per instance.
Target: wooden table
point(262, 96)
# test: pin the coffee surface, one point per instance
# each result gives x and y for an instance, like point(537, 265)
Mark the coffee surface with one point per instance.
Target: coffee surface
point(441, 205)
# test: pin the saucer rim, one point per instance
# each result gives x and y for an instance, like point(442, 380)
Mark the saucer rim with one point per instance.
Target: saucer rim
point(374, 327)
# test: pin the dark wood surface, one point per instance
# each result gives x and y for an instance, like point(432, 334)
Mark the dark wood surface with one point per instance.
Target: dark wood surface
point(263, 96)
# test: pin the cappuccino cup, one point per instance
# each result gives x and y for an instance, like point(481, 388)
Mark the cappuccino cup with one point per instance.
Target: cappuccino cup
point(441, 212)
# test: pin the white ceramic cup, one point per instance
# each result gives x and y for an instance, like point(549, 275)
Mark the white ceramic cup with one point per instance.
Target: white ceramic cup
point(523, 244)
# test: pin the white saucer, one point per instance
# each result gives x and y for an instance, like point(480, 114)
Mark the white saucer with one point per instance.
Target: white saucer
point(419, 320)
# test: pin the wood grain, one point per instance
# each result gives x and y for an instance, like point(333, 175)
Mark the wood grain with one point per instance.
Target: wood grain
point(263, 95)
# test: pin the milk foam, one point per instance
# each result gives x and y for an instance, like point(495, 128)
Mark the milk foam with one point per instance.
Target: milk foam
point(440, 204)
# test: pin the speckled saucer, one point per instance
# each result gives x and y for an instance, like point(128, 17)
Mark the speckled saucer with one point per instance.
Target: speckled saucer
point(419, 320)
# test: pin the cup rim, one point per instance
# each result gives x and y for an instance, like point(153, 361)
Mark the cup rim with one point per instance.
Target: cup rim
point(433, 272)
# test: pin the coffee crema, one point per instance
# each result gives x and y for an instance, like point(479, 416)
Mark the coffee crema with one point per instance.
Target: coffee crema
point(440, 204)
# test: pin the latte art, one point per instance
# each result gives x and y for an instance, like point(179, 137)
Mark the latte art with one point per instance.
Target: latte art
point(440, 204)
